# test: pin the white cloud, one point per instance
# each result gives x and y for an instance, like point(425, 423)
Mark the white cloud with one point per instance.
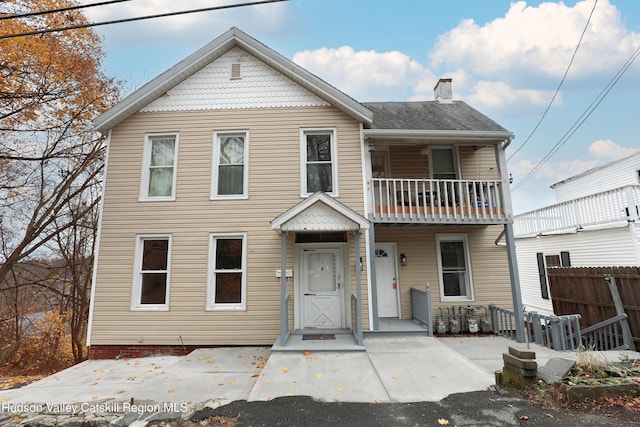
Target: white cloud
point(608, 150)
point(551, 172)
point(501, 95)
point(366, 75)
point(183, 29)
point(539, 41)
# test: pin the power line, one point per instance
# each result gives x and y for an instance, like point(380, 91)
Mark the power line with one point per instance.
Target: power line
point(583, 117)
point(559, 85)
point(139, 18)
point(63, 9)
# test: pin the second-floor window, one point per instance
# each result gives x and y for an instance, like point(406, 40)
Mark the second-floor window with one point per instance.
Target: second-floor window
point(230, 175)
point(319, 162)
point(443, 163)
point(159, 172)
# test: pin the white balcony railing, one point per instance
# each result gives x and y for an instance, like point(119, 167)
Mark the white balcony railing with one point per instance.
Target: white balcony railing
point(620, 205)
point(438, 201)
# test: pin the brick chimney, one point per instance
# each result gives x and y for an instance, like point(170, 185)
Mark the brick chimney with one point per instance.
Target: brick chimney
point(442, 91)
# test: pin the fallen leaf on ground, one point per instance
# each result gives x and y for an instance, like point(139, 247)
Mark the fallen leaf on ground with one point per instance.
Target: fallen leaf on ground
point(318, 375)
point(524, 417)
point(443, 422)
point(340, 389)
point(285, 369)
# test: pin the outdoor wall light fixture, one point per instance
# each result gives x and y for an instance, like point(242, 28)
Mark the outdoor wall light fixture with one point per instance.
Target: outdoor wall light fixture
point(403, 260)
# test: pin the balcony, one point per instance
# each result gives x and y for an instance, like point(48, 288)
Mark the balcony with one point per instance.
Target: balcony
point(608, 208)
point(438, 201)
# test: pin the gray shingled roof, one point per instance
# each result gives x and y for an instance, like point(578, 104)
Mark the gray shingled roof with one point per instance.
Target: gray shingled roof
point(430, 115)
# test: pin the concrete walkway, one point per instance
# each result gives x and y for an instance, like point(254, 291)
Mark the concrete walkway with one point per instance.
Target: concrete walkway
point(402, 369)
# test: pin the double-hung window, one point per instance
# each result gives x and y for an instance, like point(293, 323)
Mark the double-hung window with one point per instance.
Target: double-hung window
point(319, 166)
point(151, 273)
point(455, 267)
point(230, 172)
point(443, 162)
point(227, 272)
point(159, 170)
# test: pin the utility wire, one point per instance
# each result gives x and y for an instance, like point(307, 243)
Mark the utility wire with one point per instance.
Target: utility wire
point(139, 18)
point(63, 9)
point(583, 117)
point(559, 86)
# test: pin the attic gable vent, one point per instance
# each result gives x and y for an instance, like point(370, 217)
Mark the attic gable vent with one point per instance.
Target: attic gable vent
point(236, 71)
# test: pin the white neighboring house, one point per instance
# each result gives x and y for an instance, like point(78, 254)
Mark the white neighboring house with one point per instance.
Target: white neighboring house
point(595, 222)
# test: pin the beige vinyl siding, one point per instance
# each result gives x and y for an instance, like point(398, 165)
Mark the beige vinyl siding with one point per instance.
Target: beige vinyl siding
point(490, 269)
point(274, 187)
point(407, 162)
point(478, 162)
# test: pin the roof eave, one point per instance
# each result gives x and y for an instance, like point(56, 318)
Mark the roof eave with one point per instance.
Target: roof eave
point(419, 134)
point(203, 56)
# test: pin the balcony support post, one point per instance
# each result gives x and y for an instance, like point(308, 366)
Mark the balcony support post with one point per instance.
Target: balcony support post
point(373, 303)
point(516, 293)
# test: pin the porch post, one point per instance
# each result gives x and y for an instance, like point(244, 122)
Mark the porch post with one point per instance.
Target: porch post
point(358, 289)
point(373, 297)
point(284, 307)
point(516, 293)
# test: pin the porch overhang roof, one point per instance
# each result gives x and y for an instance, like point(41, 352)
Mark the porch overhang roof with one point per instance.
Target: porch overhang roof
point(319, 212)
point(421, 134)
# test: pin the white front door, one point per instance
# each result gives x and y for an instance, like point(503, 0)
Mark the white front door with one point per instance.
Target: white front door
point(322, 288)
point(386, 280)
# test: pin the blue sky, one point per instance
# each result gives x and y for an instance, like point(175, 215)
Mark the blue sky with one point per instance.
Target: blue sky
point(506, 59)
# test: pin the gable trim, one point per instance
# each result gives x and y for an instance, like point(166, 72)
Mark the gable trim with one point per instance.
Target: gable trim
point(360, 222)
point(214, 49)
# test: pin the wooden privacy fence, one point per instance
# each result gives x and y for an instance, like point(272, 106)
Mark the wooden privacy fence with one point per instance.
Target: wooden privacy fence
point(597, 294)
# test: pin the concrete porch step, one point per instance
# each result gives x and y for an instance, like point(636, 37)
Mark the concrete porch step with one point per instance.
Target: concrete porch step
point(319, 340)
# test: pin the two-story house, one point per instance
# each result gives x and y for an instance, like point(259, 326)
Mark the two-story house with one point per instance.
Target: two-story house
point(246, 199)
point(595, 223)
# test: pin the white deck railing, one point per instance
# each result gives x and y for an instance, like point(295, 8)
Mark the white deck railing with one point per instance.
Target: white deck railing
point(609, 207)
point(438, 201)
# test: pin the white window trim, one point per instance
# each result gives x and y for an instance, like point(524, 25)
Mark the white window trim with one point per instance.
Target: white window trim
point(303, 159)
point(216, 163)
point(211, 282)
point(146, 163)
point(136, 289)
point(467, 253)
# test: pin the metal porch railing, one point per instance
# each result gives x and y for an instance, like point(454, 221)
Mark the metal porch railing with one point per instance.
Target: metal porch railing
point(563, 333)
point(612, 334)
point(421, 309)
